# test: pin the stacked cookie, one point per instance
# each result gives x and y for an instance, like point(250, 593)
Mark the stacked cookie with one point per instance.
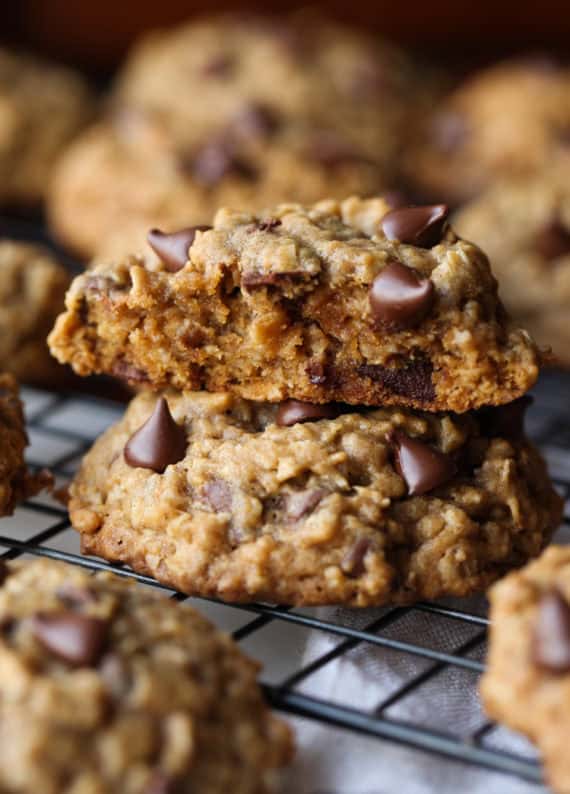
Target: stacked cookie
point(336, 415)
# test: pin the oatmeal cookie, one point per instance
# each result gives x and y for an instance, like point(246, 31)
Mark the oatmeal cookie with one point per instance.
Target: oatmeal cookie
point(313, 504)
point(42, 107)
point(343, 301)
point(509, 120)
point(524, 226)
point(109, 688)
point(527, 684)
point(32, 291)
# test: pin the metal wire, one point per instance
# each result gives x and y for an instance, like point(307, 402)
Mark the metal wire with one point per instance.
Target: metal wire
point(552, 427)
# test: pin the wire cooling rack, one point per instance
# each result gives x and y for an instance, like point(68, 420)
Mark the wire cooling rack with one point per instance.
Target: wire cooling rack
point(62, 428)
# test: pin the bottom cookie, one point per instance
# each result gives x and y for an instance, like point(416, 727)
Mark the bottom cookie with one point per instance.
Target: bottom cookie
point(107, 688)
point(527, 684)
point(307, 504)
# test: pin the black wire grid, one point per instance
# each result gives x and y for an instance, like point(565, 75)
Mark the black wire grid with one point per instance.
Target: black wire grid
point(62, 428)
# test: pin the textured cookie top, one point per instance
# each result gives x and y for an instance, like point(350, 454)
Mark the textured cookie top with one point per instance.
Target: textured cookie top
point(527, 684)
point(339, 301)
point(510, 119)
point(313, 504)
point(41, 107)
point(107, 687)
point(32, 290)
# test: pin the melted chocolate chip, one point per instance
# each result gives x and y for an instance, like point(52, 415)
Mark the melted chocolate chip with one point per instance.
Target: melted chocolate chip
point(76, 639)
point(420, 226)
point(159, 443)
point(255, 121)
point(412, 381)
point(505, 421)
point(221, 65)
point(172, 248)
point(399, 297)
point(302, 503)
point(218, 494)
point(551, 638)
point(448, 132)
point(553, 240)
point(293, 411)
point(216, 160)
point(422, 467)
point(353, 561)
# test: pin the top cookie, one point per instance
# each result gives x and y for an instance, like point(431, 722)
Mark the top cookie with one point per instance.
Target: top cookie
point(509, 120)
point(41, 107)
point(341, 301)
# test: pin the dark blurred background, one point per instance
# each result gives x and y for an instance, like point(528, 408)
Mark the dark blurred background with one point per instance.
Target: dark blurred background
point(94, 34)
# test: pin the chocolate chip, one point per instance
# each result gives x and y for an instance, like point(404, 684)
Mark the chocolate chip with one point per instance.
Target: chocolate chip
point(331, 151)
point(122, 369)
point(505, 421)
point(159, 443)
point(221, 65)
point(399, 297)
point(216, 160)
point(420, 226)
point(268, 225)
point(255, 120)
point(78, 640)
point(293, 411)
point(396, 199)
point(172, 248)
point(551, 638)
point(318, 373)
point(553, 240)
point(448, 132)
point(353, 561)
point(412, 381)
point(302, 503)
point(422, 467)
point(218, 494)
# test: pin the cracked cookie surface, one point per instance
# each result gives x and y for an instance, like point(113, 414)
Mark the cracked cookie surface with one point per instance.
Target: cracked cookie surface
point(219, 496)
point(108, 687)
point(318, 303)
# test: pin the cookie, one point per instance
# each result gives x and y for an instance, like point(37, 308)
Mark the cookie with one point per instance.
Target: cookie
point(524, 226)
point(108, 687)
point(346, 302)
point(16, 482)
point(32, 291)
point(236, 111)
point(527, 684)
point(509, 120)
point(42, 106)
point(313, 504)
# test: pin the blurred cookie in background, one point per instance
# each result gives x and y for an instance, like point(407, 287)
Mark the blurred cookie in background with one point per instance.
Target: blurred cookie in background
point(524, 226)
point(32, 291)
point(42, 106)
point(509, 120)
point(237, 111)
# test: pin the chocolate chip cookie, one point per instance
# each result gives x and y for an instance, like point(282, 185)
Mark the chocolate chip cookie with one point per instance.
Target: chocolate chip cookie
point(42, 106)
point(236, 111)
point(16, 482)
point(313, 504)
point(108, 688)
point(351, 301)
point(527, 685)
point(32, 291)
point(524, 226)
point(509, 120)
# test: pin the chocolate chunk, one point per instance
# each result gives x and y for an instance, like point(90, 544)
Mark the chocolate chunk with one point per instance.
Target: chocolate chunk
point(77, 639)
point(422, 467)
point(256, 120)
point(399, 297)
point(216, 160)
point(353, 561)
point(218, 494)
point(551, 638)
point(172, 248)
point(553, 240)
point(505, 421)
point(420, 226)
point(448, 132)
point(221, 65)
point(159, 443)
point(412, 381)
point(302, 503)
point(293, 411)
